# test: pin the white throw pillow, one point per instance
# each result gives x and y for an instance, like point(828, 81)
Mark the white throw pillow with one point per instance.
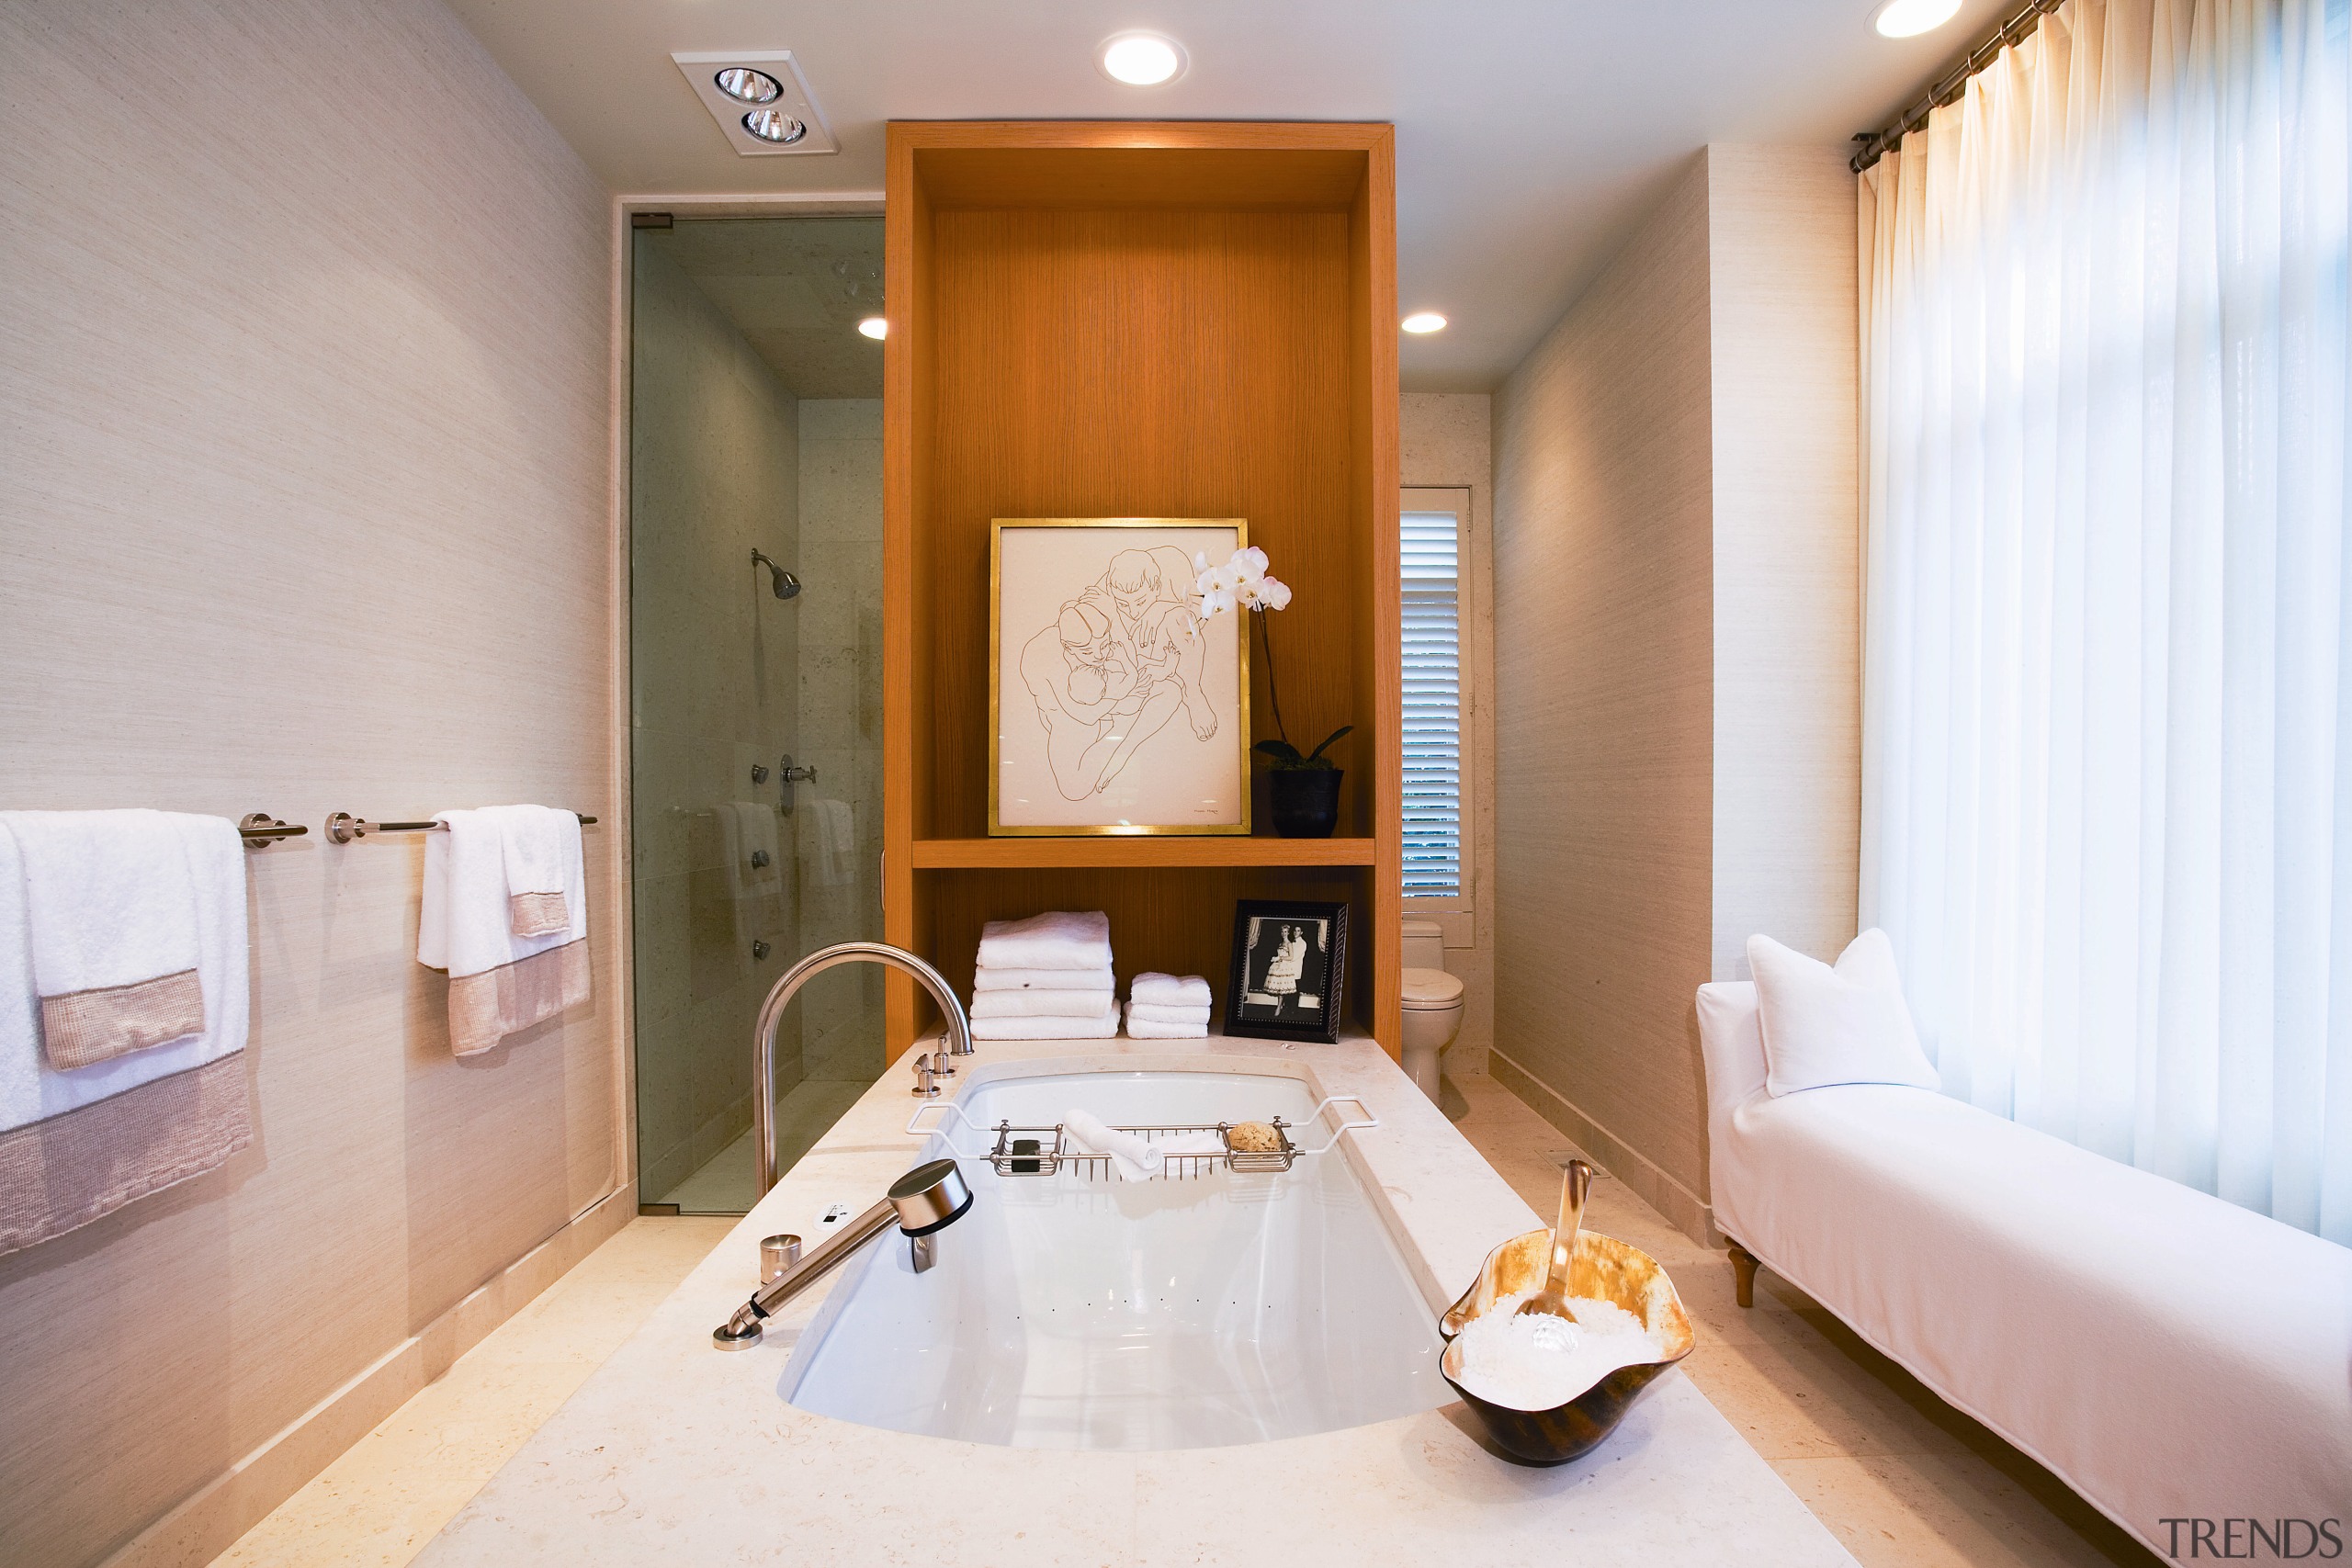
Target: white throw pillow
point(1825, 1026)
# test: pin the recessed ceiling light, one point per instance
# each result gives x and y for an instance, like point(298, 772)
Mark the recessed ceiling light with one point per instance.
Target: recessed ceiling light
point(747, 85)
point(874, 326)
point(1424, 321)
point(1140, 60)
point(1910, 18)
point(774, 125)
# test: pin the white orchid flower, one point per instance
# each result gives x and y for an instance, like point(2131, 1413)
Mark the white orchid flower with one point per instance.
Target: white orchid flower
point(1240, 584)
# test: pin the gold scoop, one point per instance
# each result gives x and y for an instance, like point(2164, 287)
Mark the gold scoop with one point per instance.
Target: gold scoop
point(1552, 1301)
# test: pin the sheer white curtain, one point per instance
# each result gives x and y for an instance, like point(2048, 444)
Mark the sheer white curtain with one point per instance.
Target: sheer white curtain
point(2108, 704)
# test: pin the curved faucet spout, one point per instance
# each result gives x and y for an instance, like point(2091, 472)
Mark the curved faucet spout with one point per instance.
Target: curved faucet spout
point(959, 1028)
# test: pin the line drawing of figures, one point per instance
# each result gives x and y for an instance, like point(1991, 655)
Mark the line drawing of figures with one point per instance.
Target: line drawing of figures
point(1115, 666)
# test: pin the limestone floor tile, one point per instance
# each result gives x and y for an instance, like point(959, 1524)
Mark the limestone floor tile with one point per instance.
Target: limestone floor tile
point(378, 1505)
point(1901, 1478)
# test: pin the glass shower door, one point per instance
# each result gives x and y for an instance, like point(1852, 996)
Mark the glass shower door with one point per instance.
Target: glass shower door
point(755, 637)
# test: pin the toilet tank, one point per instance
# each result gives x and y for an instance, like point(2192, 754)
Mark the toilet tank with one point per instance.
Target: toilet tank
point(1424, 945)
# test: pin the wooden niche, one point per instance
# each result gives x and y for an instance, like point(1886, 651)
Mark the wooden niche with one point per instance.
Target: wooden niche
point(1102, 320)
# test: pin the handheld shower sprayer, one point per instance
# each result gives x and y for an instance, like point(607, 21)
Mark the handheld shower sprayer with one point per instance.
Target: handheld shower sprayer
point(924, 1202)
point(786, 586)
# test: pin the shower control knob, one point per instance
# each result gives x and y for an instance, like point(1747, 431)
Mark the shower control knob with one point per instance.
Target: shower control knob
point(759, 860)
point(758, 772)
point(759, 950)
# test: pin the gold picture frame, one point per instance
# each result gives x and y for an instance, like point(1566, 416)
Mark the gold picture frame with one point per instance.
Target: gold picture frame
point(1095, 649)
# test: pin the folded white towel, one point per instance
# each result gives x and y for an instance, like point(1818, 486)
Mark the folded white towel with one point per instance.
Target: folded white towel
point(1145, 1028)
point(1150, 1014)
point(1041, 1004)
point(1103, 1028)
point(539, 842)
point(986, 979)
point(1056, 940)
point(31, 1090)
point(111, 900)
point(1156, 990)
point(498, 982)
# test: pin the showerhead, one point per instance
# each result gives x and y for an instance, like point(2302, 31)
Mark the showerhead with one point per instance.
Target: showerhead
point(786, 586)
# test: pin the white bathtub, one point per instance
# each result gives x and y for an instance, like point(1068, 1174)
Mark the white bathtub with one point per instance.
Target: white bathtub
point(1064, 1314)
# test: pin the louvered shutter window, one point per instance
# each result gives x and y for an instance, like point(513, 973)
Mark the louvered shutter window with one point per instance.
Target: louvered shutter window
point(1432, 596)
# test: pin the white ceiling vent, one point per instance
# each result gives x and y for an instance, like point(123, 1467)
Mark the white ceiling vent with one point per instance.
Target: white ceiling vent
point(760, 99)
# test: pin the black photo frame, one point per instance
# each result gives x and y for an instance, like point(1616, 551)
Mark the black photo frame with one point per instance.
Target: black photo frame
point(1289, 975)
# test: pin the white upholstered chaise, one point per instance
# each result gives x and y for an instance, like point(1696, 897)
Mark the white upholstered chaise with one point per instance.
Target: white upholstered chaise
point(2167, 1354)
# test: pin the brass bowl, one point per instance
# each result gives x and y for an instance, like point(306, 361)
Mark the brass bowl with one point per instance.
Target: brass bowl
point(1605, 1270)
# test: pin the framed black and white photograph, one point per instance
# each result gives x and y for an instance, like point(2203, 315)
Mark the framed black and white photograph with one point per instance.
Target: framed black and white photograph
point(1290, 968)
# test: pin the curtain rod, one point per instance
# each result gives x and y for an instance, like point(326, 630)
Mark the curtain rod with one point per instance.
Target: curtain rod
point(1876, 145)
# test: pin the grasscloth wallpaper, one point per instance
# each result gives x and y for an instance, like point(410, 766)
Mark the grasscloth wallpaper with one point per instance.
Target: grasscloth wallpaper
point(305, 423)
point(1677, 605)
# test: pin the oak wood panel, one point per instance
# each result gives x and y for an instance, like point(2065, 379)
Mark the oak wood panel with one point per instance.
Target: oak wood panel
point(1170, 850)
point(1119, 319)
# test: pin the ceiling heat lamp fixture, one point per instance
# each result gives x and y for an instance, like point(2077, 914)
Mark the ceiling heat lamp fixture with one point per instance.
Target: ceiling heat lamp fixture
point(1910, 18)
point(760, 100)
point(1421, 322)
point(1141, 60)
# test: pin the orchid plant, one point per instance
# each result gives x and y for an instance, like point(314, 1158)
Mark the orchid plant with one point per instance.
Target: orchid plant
point(1243, 583)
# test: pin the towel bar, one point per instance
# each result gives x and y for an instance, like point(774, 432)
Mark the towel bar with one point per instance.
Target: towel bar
point(260, 829)
point(343, 827)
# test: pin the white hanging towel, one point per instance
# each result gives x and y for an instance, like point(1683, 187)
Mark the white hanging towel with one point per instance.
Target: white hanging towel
point(76, 1143)
point(498, 982)
point(112, 902)
point(828, 844)
point(541, 843)
point(1056, 940)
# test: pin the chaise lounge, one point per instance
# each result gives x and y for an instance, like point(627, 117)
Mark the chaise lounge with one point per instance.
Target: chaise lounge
point(2183, 1363)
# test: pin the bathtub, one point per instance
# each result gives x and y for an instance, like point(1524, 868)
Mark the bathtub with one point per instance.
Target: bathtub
point(1064, 1313)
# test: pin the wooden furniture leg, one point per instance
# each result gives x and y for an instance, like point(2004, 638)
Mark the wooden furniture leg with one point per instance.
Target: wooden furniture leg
point(1743, 1274)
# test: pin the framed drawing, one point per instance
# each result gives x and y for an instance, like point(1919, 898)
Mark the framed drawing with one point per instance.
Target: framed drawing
point(1113, 708)
point(1290, 970)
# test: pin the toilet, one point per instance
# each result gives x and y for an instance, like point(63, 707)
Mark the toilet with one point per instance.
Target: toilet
point(1433, 1003)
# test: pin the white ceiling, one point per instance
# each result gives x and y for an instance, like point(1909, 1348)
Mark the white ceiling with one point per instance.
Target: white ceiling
point(1531, 135)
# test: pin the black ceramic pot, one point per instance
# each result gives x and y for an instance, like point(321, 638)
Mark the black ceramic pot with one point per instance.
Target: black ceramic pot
point(1306, 801)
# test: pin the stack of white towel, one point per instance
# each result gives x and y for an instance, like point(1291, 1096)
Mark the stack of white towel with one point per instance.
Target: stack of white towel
point(1168, 1006)
point(1047, 978)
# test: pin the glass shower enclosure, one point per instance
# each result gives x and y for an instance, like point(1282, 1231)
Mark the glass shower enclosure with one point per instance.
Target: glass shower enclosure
point(756, 664)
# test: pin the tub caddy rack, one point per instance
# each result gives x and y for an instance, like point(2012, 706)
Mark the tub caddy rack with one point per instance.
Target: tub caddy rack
point(1047, 1150)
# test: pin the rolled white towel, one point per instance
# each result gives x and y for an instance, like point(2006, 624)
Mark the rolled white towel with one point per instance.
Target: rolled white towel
point(1041, 1004)
point(1150, 1029)
point(1055, 940)
point(1134, 1157)
point(1103, 1028)
point(1155, 990)
point(1150, 1014)
point(986, 979)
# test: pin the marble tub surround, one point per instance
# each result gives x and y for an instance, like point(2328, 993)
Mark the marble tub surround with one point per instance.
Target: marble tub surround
point(672, 1451)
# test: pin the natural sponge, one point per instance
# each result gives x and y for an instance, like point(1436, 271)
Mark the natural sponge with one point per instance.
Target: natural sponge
point(1253, 1138)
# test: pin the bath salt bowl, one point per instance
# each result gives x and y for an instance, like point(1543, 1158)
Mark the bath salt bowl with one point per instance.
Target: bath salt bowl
point(1603, 1268)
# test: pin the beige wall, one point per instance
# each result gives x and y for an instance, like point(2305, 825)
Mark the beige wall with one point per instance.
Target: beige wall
point(1446, 440)
point(1675, 632)
point(1785, 316)
point(1603, 674)
point(305, 416)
